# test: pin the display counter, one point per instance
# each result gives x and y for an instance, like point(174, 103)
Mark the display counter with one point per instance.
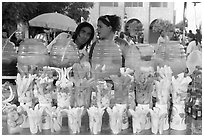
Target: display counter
point(70, 89)
point(84, 130)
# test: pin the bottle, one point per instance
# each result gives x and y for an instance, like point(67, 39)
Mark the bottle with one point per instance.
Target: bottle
point(125, 122)
point(192, 102)
point(187, 104)
point(197, 108)
point(196, 124)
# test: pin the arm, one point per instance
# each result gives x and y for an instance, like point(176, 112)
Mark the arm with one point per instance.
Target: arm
point(158, 41)
point(91, 51)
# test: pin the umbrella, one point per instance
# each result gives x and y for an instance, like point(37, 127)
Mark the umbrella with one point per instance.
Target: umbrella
point(54, 20)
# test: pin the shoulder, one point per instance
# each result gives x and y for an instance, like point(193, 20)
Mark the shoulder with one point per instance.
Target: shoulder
point(159, 39)
point(192, 43)
point(62, 35)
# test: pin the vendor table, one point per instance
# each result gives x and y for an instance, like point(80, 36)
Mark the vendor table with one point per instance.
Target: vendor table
point(105, 128)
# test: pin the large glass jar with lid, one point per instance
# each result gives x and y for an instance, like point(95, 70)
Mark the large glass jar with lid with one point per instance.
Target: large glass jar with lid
point(9, 59)
point(173, 55)
point(64, 53)
point(107, 56)
point(31, 54)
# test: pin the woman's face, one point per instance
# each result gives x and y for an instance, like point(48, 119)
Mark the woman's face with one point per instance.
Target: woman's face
point(84, 35)
point(163, 34)
point(103, 30)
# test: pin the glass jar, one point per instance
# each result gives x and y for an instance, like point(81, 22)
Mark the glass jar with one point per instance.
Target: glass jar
point(139, 56)
point(9, 59)
point(107, 54)
point(141, 59)
point(188, 104)
point(64, 53)
point(146, 51)
point(173, 55)
point(32, 53)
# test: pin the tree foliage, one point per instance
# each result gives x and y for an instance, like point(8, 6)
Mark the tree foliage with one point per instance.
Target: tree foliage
point(180, 25)
point(161, 24)
point(14, 12)
point(77, 9)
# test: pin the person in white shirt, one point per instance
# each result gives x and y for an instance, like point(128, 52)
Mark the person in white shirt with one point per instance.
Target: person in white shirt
point(82, 37)
point(163, 38)
point(191, 46)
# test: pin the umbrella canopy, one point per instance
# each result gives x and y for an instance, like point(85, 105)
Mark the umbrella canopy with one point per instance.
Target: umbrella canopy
point(54, 20)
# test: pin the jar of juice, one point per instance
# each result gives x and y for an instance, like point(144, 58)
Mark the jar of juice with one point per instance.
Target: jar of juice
point(108, 55)
point(173, 55)
point(31, 54)
point(64, 53)
point(9, 59)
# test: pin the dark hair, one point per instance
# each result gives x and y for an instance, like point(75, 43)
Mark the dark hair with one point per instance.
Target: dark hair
point(111, 20)
point(197, 30)
point(160, 32)
point(122, 35)
point(77, 31)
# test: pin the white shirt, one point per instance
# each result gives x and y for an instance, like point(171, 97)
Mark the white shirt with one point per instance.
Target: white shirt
point(194, 59)
point(162, 40)
point(191, 47)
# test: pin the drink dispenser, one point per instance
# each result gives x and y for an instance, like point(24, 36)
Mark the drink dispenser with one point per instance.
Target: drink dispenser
point(107, 54)
point(64, 53)
point(173, 55)
point(9, 59)
point(31, 54)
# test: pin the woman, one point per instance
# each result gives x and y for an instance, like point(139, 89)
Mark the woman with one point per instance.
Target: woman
point(82, 37)
point(163, 38)
point(105, 52)
point(77, 49)
point(192, 45)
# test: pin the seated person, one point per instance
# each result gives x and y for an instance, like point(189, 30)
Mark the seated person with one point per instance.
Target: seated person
point(42, 37)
